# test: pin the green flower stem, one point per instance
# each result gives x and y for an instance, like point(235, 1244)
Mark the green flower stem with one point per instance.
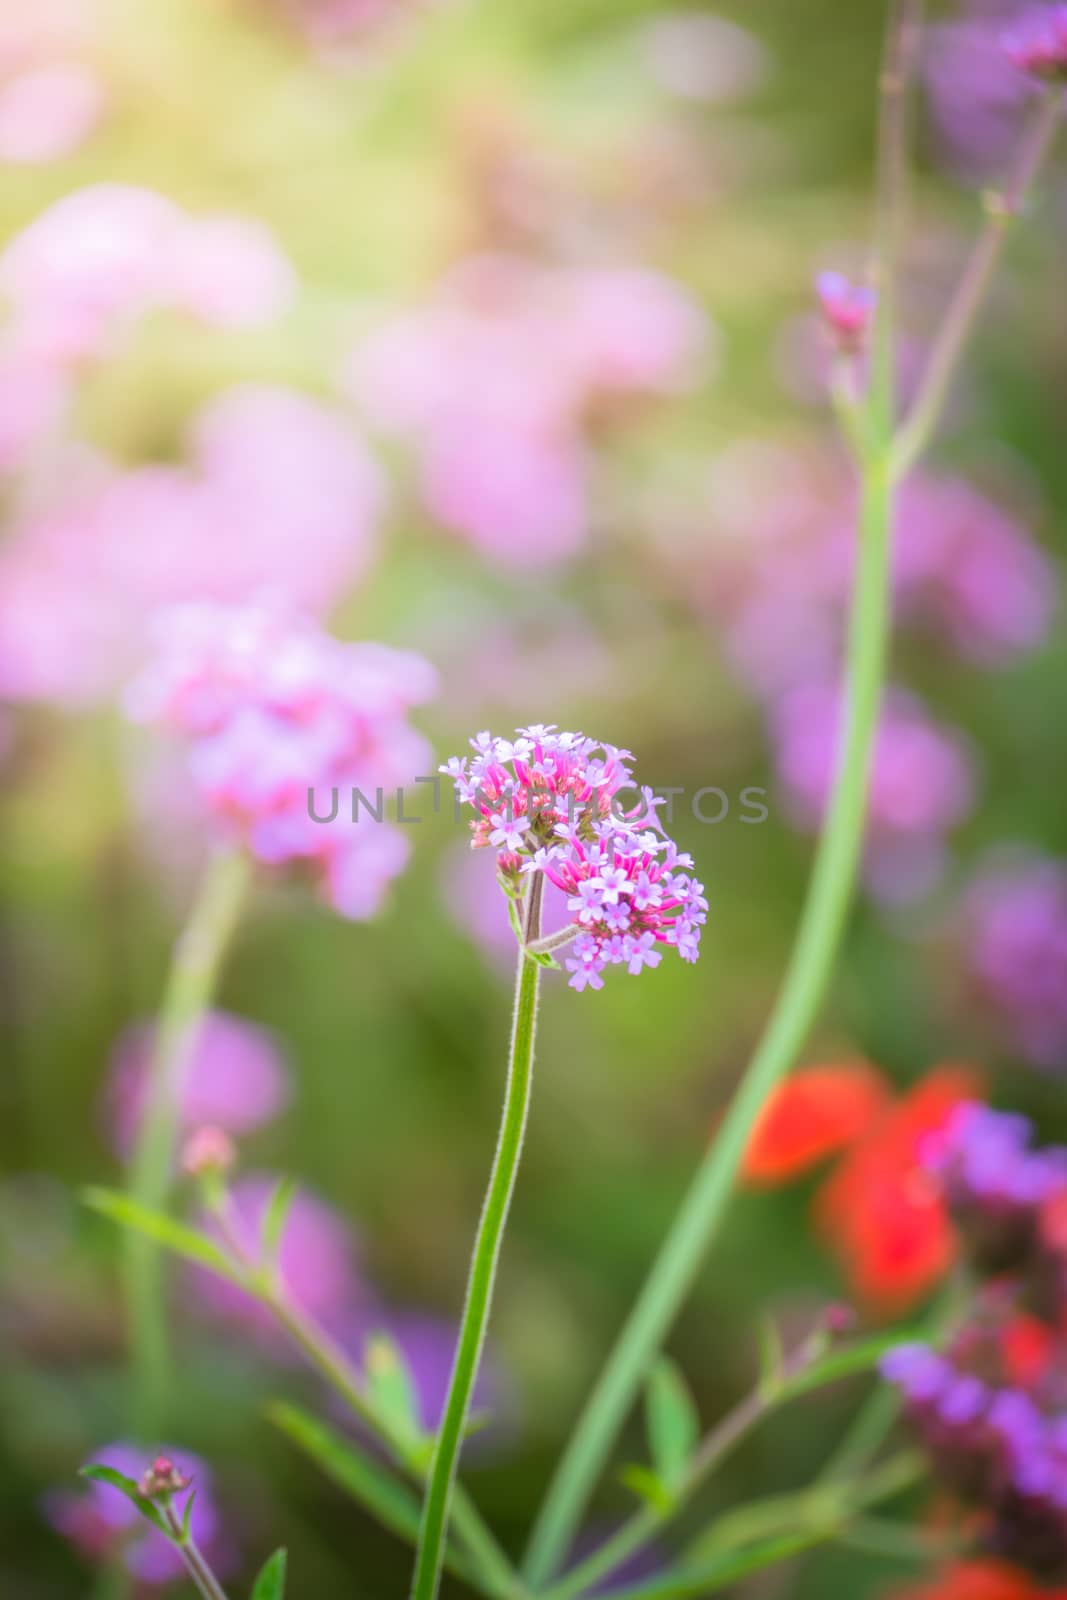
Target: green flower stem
point(190, 986)
point(1001, 210)
point(196, 1563)
point(826, 904)
point(484, 1261)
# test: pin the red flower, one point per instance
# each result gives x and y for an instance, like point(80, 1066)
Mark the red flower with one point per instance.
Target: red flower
point(815, 1113)
point(980, 1580)
point(878, 1210)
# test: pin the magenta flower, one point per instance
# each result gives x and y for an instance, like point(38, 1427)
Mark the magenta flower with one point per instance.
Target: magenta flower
point(235, 1079)
point(103, 1525)
point(280, 720)
point(318, 1261)
point(1013, 930)
point(847, 307)
point(1038, 45)
point(628, 888)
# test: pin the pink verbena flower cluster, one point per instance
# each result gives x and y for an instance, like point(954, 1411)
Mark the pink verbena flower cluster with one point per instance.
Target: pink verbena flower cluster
point(276, 712)
point(549, 802)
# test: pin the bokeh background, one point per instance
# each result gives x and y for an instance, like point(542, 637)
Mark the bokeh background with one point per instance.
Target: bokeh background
point(487, 330)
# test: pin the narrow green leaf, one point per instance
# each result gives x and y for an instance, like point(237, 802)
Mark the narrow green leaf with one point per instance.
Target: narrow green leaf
point(645, 1484)
point(98, 1473)
point(390, 1386)
point(275, 1218)
point(357, 1472)
point(187, 1515)
point(175, 1236)
point(270, 1585)
point(673, 1424)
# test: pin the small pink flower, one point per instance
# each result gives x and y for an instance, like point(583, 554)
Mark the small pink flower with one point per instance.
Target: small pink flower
point(847, 307)
point(48, 111)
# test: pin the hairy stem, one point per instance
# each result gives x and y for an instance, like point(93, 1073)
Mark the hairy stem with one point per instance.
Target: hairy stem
point(826, 904)
point(190, 986)
point(1001, 210)
point(484, 1261)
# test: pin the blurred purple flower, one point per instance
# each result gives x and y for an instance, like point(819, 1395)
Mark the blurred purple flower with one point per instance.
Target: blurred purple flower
point(102, 1523)
point(496, 380)
point(234, 1079)
point(977, 94)
point(281, 720)
point(922, 781)
point(1037, 45)
point(48, 111)
point(428, 1344)
point(1013, 927)
point(318, 1258)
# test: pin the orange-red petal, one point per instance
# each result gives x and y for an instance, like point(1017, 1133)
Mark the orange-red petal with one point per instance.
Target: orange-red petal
point(814, 1114)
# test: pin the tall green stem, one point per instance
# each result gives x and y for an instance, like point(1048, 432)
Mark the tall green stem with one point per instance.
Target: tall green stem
point(484, 1261)
point(190, 986)
point(829, 893)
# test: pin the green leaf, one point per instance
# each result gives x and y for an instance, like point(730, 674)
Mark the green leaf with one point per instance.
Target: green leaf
point(360, 1475)
point(647, 1486)
point(164, 1230)
point(390, 1386)
point(98, 1473)
point(275, 1218)
point(187, 1516)
point(270, 1585)
point(673, 1424)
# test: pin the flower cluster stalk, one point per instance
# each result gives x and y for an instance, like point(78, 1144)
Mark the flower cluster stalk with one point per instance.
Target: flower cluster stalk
point(190, 986)
point(485, 1257)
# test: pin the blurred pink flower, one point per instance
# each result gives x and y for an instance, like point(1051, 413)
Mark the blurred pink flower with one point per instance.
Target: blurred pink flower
point(279, 719)
point(230, 273)
point(1012, 924)
point(235, 1079)
point(922, 781)
point(280, 495)
point(93, 262)
point(496, 380)
point(33, 398)
point(102, 1524)
point(318, 1259)
point(48, 111)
